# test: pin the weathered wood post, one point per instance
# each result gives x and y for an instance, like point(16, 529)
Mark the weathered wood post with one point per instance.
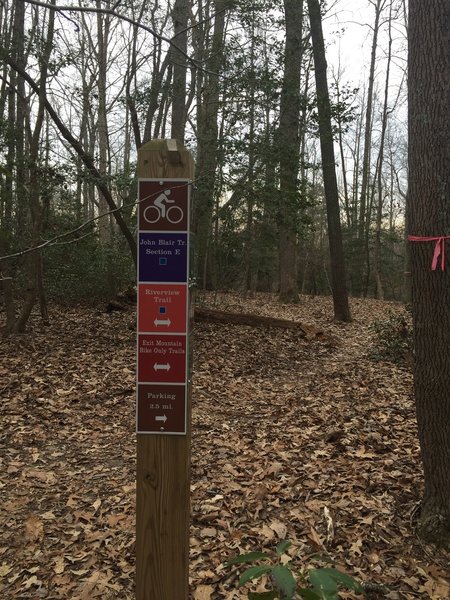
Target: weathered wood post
point(165, 171)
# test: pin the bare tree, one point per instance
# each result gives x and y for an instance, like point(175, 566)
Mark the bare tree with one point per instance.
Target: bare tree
point(380, 161)
point(339, 287)
point(364, 221)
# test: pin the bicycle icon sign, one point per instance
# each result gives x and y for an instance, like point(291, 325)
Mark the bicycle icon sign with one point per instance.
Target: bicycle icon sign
point(163, 205)
point(160, 210)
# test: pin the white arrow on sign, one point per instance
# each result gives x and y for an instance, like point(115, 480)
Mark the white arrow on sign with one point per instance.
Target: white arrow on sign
point(159, 367)
point(162, 418)
point(159, 322)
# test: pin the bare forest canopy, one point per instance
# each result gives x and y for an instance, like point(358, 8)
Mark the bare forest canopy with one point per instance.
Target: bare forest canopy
point(84, 85)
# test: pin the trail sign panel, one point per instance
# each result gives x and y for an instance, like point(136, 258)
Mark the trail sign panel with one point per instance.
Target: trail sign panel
point(162, 308)
point(162, 408)
point(163, 257)
point(163, 303)
point(162, 358)
point(163, 205)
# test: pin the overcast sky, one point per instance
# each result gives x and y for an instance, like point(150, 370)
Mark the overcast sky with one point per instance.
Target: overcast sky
point(352, 47)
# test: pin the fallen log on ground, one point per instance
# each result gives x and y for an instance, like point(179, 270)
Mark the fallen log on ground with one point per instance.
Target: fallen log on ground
point(123, 300)
point(218, 316)
point(126, 299)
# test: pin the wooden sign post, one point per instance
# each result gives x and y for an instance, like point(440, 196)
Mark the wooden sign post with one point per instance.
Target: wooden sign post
point(165, 171)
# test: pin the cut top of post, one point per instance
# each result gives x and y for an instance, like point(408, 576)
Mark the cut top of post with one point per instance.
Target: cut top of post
point(166, 159)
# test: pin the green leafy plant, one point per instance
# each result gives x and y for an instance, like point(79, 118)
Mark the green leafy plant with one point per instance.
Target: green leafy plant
point(393, 338)
point(313, 584)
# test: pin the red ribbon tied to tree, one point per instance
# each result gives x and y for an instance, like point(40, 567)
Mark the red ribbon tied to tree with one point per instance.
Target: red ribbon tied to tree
point(439, 247)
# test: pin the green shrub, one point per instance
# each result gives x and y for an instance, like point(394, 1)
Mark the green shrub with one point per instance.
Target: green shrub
point(86, 271)
point(288, 584)
point(393, 338)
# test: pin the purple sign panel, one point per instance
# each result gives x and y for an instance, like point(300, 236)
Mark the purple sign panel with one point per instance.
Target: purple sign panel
point(163, 257)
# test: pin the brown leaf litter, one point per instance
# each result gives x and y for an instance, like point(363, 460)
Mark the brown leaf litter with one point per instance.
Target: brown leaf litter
point(292, 438)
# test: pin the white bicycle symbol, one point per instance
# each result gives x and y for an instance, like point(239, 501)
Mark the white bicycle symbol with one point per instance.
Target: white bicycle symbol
point(159, 210)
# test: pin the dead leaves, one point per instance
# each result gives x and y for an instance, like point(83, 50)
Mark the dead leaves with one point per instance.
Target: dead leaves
point(306, 442)
point(34, 529)
point(291, 439)
point(203, 592)
point(68, 461)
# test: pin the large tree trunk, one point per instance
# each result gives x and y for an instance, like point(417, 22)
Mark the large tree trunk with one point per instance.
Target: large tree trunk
point(289, 150)
point(180, 20)
point(429, 215)
point(207, 150)
point(338, 279)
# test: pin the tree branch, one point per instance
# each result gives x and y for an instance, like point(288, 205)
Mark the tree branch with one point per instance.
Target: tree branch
point(114, 13)
point(54, 240)
point(86, 159)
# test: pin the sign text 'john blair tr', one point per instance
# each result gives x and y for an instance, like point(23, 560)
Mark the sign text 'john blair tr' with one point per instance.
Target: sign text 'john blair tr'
point(163, 296)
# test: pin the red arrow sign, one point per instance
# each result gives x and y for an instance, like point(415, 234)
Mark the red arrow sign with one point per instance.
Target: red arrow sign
point(162, 358)
point(162, 308)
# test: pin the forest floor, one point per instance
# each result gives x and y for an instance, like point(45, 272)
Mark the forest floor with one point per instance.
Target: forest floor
point(292, 439)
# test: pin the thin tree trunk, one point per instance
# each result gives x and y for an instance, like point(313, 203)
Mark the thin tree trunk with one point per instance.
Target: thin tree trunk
point(338, 278)
point(377, 245)
point(35, 267)
point(368, 123)
point(131, 78)
point(207, 153)
point(7, 192)
point(249, 232)
point(364, 222)
point(18, 53)
point(340, 125)
point(356, 169)
point(103, 25)
point(161, 78)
